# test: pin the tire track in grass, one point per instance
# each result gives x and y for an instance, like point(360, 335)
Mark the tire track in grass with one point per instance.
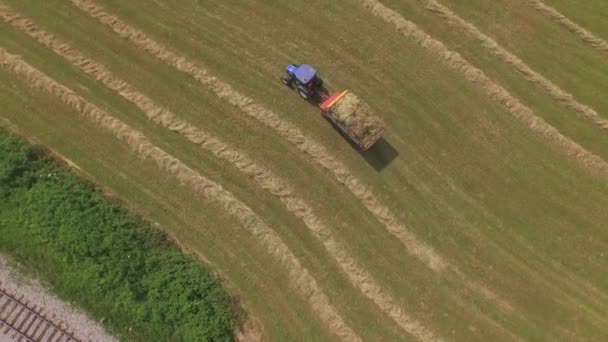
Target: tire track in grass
point(507, 57)
point(358, 276)
point(583, 34)
point(495, 91)
point(299, 277)
point(287, 130)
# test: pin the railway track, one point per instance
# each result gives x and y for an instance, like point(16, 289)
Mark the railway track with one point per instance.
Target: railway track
point(24, 322)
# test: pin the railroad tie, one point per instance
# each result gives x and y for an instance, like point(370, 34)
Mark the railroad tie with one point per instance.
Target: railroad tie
point(36, 327)
point(36, 318)
point(55, 331)
point(16, 317)
point(27, 318)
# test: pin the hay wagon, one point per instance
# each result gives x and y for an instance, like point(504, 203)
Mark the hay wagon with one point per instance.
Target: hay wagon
point(354, 118)
point(346, 111)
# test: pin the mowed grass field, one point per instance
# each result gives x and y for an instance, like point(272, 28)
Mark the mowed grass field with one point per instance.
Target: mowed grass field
point(497, 230)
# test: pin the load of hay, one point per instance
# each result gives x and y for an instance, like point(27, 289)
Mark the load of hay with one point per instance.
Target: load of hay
point(358, 119)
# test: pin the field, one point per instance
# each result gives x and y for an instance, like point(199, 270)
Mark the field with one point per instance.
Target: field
point(480, 216)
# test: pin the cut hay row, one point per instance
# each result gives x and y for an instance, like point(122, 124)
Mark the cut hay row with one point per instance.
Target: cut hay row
point(313, 149)
point(507, 57)
point(299, 277)
point(318, 153)
point(495, 91)
point(580, 32)
point(358, 276)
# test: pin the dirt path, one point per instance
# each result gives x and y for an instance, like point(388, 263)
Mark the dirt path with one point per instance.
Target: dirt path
point(35, 293)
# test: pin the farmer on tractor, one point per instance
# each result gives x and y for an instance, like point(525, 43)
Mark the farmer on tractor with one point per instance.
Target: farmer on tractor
point(304, 78)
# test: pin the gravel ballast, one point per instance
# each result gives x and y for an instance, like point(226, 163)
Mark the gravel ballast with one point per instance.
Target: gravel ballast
point(34, 292)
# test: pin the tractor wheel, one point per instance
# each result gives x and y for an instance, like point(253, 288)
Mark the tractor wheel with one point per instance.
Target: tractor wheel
point(303, 93)
point(285, 81)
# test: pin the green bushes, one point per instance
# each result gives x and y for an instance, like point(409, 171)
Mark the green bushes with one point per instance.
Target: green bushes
point(98, 256)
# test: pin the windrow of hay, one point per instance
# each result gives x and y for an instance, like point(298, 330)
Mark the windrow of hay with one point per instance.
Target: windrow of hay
point(571, 26)
point(359, 118)
point(358, 276)
point(495, 91)
point(507, 57)
point(315, 151)
point(300, 278)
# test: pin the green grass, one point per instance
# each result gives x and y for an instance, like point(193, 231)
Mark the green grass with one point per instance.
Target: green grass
point(589, 14)
point(500, 203)
point(577, 69)
point(547, 47)
point(211, 238)
point(98, 256)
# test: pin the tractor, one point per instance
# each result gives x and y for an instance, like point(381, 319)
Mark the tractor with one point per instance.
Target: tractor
point(305, 80)
point(349, 114)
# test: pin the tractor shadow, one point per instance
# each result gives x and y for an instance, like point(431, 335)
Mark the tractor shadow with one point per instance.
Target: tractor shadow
point(379, 156)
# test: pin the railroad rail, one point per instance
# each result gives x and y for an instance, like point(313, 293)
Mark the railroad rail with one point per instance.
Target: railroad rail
point(25, 322)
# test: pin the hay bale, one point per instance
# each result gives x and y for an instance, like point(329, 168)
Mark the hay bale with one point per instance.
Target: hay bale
point(357, 117)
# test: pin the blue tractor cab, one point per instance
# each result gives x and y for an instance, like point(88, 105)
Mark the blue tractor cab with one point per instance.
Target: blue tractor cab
point(305, 73)
point(304, 78)
point(291, 69)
